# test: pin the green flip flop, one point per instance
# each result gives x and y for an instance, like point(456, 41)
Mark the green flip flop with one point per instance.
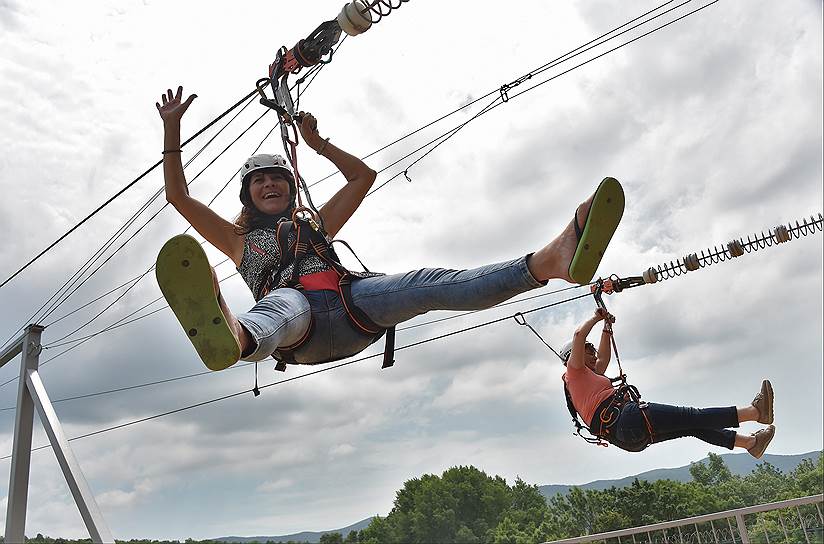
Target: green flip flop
point(601, 223)
point(185, 278)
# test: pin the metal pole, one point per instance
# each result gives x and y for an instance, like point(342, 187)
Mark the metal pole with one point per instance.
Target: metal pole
point(29, 344)
point(742, 529)
point(803, 528)
point(81, 491)
point(32, 394)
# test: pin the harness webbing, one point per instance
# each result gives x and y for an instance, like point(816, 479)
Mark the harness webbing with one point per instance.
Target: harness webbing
point(311, 240)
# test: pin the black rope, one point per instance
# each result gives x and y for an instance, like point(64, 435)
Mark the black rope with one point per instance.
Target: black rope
point(151, 219)
point(127, 187)
point(554, 62)
point(448, 134)
point(185, 231)
point(293, 378)
point(88, 264)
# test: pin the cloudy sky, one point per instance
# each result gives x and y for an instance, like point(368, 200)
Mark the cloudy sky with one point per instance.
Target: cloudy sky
point(713, 124)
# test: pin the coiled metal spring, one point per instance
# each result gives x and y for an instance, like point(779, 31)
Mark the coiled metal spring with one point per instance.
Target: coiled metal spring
point(378, 9)
point(735, 248)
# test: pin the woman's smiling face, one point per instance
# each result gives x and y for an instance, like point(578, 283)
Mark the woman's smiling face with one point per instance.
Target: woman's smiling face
point(269, 191)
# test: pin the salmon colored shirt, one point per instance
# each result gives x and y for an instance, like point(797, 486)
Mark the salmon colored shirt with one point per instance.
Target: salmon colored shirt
point(587, 390)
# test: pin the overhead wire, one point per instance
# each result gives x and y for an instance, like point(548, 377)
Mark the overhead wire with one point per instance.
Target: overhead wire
point(87, 265)
point(312, 373)
point(413, 326)
point(498, 102)
point(165, 205)
point(319, 68)
point(124, 189)
point(449, 133)
point(554, 62)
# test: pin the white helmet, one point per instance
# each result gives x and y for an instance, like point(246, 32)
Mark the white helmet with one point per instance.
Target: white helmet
point(264, 161)
point(566, 351)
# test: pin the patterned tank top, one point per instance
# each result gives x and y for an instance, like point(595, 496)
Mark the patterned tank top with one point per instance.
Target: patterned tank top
point(260, 265)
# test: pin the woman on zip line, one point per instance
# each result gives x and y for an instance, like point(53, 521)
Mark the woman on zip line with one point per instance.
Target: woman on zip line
point(615, 416)
point(309, 309)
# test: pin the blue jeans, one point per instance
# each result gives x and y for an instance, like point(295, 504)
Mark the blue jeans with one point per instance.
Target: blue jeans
point(669, 422)
point(283, 316)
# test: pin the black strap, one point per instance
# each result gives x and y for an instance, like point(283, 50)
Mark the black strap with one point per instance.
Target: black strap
point(593, 438)
point(308, 240)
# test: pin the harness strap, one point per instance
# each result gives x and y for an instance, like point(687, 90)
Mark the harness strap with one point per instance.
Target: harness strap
point(593, 438)
point(307, 240)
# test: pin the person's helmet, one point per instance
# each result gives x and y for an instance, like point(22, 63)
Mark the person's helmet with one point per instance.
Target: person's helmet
point(264, 161)
point(566, 351)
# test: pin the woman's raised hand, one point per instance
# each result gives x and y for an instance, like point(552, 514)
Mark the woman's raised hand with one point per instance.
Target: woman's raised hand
point(601, 314)
point(309, 130)
point(173, 108)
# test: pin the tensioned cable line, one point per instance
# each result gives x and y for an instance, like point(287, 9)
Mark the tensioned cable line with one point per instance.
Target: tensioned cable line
point(136, 280)
point(582, 49)
point(152, 199)
point(165, 205)
point(127, 187)
point(501, 100)
point(326, 369)
point(492, 106)
point(449, 133)
point(736, 248)
point(314, 72)
point(122, 321)
point(550, 64)
point(85, 267)
point(244, 364)
point(496, 103)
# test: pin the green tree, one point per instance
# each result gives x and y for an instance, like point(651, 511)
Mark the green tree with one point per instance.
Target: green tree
point(331, 538)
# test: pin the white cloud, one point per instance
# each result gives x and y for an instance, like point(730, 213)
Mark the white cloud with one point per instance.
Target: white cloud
point(713, 134)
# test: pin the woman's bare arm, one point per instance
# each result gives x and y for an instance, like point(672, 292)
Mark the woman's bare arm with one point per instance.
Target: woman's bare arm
point(605, 346)
point(359, 177)
point(219, 232)
point(579, 338)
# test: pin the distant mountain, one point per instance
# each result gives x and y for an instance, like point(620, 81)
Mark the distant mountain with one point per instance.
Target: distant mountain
point(738, 463)
point(306, 536)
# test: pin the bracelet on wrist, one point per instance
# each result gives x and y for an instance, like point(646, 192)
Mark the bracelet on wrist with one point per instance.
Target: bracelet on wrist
point(167, 151)
point(606, 331)
point(323, 147)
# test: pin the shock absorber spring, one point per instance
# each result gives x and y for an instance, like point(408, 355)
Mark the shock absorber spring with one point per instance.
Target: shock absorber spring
point(358, 16)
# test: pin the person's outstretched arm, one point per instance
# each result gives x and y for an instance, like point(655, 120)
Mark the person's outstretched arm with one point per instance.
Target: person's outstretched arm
point(359, 177)
point(579, 338)
point(605, 345)
point(219, 232)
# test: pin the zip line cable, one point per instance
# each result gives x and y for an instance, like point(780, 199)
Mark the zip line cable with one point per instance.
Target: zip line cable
point(127, 187)
point(497, 103)
point(583, 48)
point(156, 195)
point(85, 267)
point(733, 249)
point(244, 364)
point(117, 324)
point(326, 369)
point(165, 205)
point(554, 62)
point(449, 133)
point(196, 177)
